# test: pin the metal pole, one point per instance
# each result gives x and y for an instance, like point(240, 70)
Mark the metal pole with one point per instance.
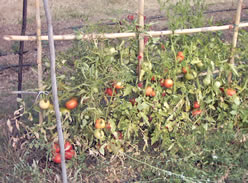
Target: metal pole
point(54, 89)
point(21, 48)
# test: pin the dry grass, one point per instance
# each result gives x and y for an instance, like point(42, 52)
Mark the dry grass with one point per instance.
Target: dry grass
point(11, 10)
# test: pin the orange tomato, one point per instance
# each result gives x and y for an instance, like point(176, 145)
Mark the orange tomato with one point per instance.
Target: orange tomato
point(230, 92)
point(196, 112)
point(100, 123)
point(72, 103)
point(153, 94)
point(149, 91)
point(168, 83)
point(196, 105)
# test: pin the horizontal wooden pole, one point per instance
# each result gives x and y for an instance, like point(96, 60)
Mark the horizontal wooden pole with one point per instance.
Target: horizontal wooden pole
point(123, 35)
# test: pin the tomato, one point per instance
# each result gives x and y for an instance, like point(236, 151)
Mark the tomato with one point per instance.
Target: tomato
point(222, 89)
point(230, 92)
point(56, 148)
point(108, 126)
point(100, 123)
point(168, 83)
point(217, 84)
point(196, 105)
point(120, 136)
point(71, 104)
point(70, 154)
point(196, 112)
point(57, 158)
point(132, 100)
point(206, 80)
point(149, 91)
point(140, 85)
point(112, 50)
point(64, 111)
point(109, 91)
point(153, 94)
point(163, 47)
point(44, 104)
point(163, 94)
point(68, 146)
point(118, 85)
point(153, 78)
point(180, 54)
point(189, 76)
point(99, 134)
point(180, 58)
point(199, 65)
point(184, 70)
point(162, 82)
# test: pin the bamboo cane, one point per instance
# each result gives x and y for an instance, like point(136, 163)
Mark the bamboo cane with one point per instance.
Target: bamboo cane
point(39, 51)
point(54, 89)
point(141, 36)
point(235, 37)
point(124, 35)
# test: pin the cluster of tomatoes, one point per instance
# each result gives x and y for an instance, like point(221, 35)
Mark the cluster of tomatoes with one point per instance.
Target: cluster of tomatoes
point(69, 152)
point(69, 105)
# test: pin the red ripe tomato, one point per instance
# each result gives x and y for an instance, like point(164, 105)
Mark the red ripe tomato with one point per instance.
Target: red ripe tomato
point(168, 83)
point(109, 91)
point(184, 70)
point(180, 54)
point(196, 105)
point(108, 126)
point(196, 112)
point(149, 91)
point(69, 154)
point(100, 123)
point(153, 78)
point(153, 94)
point(120, 136)
point(140, 85)
point(57, 158)
point(132, 100)
point(118, 85)
point(163, 47)
point(71, 104)
point(162, 82)
point(180, 58)
point(222, 89)
point(68, 146)
point(230, 92)
point(163, 94)
point(56, 148)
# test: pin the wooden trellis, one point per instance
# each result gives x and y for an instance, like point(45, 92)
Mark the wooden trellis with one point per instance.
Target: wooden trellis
point(140, 35)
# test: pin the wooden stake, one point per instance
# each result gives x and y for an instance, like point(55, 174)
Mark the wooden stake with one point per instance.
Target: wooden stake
point(123, 35)
point(141, 37)
point(235, 37)
point(39, 51)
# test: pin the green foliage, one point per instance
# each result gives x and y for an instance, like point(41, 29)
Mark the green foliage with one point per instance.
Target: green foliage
point(197, 144)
